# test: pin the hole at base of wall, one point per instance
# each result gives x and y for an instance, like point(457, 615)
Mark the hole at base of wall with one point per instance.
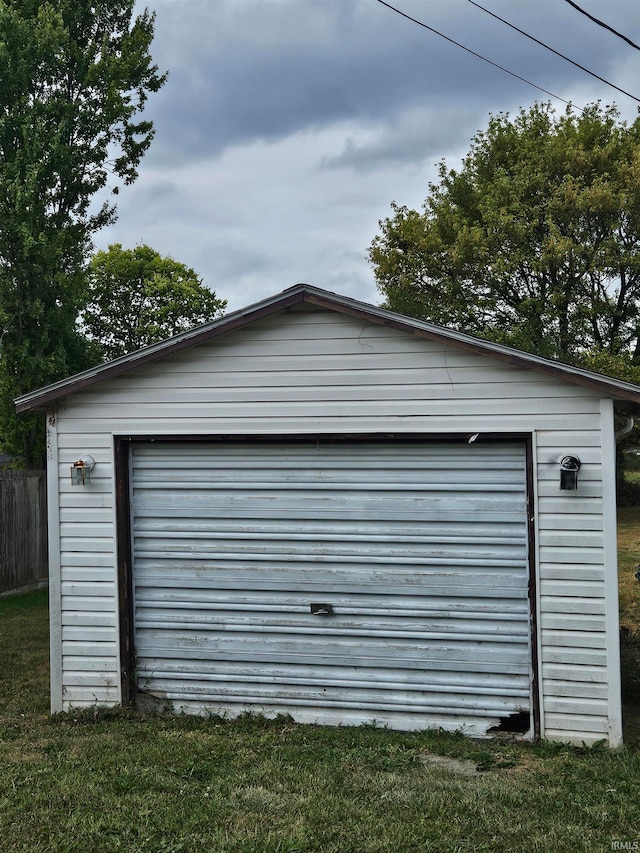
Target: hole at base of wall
point(517, 723)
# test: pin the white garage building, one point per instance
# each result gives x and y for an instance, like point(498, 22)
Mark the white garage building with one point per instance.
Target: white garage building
point(320, 508)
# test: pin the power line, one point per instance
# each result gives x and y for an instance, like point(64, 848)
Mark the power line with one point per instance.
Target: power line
point(557, 53)
point(478, 55)
point(602, 24)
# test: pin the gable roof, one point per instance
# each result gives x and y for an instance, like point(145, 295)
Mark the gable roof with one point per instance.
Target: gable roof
point(42, 398)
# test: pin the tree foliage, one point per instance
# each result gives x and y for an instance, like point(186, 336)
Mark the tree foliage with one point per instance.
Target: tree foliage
point(74, 75)
point(534, 241)
point(136, 297)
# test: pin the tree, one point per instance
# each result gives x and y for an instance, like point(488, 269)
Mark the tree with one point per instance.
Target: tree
point(74, 75)
point(534, 242)
point(136, 298)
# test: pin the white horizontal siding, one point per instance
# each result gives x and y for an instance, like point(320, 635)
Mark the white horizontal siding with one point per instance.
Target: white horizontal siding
point(552, 444)
point(228, 381)
point(91, 619)
point(573, 622)
point(311, 371)
point(150, 399)
point(578, 676)
point(104, 666)
point(270, 424)
point(564, 538)
point(88, 587)
point(572, 655)
point(572, 689)
point(277, 410)
point(576, 588)
point(555, 604)
point(584, 522)
point(575, 631)
point(587, 729)
point(90, 573)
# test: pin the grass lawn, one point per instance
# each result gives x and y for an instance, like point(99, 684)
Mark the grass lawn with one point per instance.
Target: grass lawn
point(122, 781)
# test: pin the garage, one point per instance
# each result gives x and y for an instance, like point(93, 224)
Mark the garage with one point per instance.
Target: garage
point(317, 507)
point(334, 580)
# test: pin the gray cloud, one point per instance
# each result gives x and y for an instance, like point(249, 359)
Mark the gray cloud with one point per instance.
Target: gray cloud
point(418, 135)
point(246, 71)
point(287, 126)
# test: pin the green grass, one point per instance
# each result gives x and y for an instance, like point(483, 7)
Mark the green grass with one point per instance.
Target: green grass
point(24, 657)
point(108, 781)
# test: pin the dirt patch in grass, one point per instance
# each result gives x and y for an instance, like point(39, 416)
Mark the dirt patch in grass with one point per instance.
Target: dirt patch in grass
point(452, 765)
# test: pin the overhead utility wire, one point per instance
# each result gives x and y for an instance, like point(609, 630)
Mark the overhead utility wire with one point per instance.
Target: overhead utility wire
point(479, 55)
point(557, 53)
point(602, 24)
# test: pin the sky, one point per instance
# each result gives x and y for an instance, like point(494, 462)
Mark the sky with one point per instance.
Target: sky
point(286, 128)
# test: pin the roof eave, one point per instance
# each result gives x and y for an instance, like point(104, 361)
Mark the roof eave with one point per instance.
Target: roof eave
point(610, 387)
point(40, 400)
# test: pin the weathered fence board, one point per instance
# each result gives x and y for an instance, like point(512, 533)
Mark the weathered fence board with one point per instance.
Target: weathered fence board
point(23, 529)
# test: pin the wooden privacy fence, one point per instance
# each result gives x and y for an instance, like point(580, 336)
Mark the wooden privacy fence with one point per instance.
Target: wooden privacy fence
point(23, 529)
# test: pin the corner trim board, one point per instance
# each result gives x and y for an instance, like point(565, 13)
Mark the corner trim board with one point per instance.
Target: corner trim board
point(55, 580)
point(610, 527)
point(125, 574)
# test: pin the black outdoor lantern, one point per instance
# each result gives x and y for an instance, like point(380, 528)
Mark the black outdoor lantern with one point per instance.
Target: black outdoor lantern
point(569, 467)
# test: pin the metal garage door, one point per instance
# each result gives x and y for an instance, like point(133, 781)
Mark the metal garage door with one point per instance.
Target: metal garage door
point(334, 581)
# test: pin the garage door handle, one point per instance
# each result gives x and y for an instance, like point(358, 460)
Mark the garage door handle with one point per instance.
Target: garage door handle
point(321, 609)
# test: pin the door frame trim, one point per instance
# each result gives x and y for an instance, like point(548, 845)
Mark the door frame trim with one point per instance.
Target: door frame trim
point(122, 469)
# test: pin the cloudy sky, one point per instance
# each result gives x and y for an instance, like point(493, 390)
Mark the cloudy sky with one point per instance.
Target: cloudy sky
point(287, 127)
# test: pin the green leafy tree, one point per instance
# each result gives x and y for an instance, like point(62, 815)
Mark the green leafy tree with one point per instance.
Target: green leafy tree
point(74, 76)
point(627, 430)
point(136, 297)
point(533, 242)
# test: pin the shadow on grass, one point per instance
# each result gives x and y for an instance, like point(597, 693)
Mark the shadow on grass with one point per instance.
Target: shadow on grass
point(630, 663)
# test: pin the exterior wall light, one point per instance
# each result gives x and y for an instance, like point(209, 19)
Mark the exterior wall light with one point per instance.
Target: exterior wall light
point(569, 467)
point(81, 471)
